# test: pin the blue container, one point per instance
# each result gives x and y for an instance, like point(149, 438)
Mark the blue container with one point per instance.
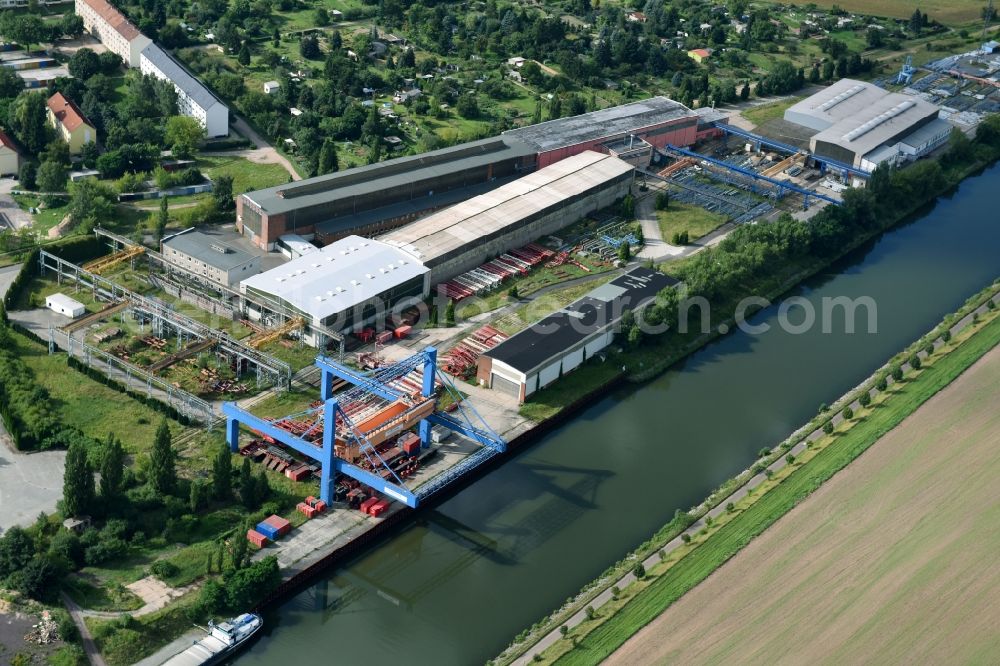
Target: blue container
point(268, 531)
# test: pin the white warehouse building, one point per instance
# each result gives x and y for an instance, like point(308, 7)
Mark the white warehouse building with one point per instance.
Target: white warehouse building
point(862, 125)
point(348, 283)
point(461, 237)
point(193, 98)
point(115, 31)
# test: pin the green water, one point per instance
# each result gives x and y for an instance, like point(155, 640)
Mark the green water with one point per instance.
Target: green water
point(457, 586)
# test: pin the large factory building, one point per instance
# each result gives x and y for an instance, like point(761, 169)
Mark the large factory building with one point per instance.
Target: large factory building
point(352, 281)
point(459, 238)
point(862, 125)
point(376, 198)
point(657, 121)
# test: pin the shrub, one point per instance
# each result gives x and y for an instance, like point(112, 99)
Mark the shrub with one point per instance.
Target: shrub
point(881, 385)
point(914, 362)
point(730, 507)
point(686, 538)
point(639, 571)
point(591, 613)
point(865, 399)
point(828, 427)
point(848, 413)
point(163, 569)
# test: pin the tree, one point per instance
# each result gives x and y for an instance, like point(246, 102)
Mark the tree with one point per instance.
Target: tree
point(328, 162)
point(468, 106)
point(536, 117)
point(897, 374)
point(10, 83)
point(240, 548)
point(25, 29)
point(309, 47)
point(449, 314)
point(222, 474)
point(848, 413)
point(881, 385)
point(555, 108)
point(162, 218)
point(244, 55)
point(51, 176)
point(112, 468)
point(624, 252)
point(914, 362)
point(29, 121)
point(36, 579)
point(222, 192)
point(183, 134)
point(627, 209)
point(198, 496)
point(71, 25)
point(639, 571)
point(512, 293)
point(16, 550)
point(28, 175)
point(662, 200)
point(916, 22)
point(828, 427)
point(248, 487)
point(162, 461)
point(78, 481)
point(84, 64)
point(865, 399)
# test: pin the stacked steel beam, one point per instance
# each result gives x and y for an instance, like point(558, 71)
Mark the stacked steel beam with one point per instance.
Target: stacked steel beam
point(461, 359)
point(491, 274)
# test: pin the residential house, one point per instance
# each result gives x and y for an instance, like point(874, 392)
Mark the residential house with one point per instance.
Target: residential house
point(10, 156)
point(699, 55)
point(68, 120)
point(194, 99)
point(635, 17)
point(115, 31)
point(271, 87)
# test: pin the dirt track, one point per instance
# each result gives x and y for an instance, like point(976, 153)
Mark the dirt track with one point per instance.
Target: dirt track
point(892, 561)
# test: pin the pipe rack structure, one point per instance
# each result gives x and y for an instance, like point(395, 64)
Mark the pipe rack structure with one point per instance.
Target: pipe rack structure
point(332, 427)
point(825, 162)
point(268, 368)
point(756, 176)
point(282, 313)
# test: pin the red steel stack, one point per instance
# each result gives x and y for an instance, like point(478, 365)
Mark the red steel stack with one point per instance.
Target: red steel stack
point(383, 337)
point(256, 538)
point(402, 332)
point(463, 357)
point(368, 504)
point(298, 473)
point(280, 524)
point(317, 504)
point(378, 508)
point(306, 510)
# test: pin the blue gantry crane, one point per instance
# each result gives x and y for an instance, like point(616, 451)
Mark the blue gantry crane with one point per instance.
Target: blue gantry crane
point(332, 424)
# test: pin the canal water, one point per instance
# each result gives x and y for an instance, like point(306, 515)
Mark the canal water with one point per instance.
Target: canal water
point(458, 585)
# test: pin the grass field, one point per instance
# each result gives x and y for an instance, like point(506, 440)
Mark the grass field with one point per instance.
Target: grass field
point(739, 531)
point(88, 405)
point(946, 11)
point(759, 115)
point(695, 220)
point(246, 175)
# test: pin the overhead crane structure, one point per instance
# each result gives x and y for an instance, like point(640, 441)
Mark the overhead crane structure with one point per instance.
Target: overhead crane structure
point(163, 318)
point(781, 184)
point(845, 170)
point(279, 315)
point(343, 431)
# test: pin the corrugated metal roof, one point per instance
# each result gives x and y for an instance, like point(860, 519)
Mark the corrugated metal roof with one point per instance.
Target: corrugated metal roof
point(877, 123)
point(343, 274)
point(609, 123)
point(386, 175)
point(180, 77)
point(440, 233)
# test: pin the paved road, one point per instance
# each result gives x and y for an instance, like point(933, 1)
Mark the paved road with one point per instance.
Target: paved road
point(11, 215)
point(89, 648)
point(605, 596)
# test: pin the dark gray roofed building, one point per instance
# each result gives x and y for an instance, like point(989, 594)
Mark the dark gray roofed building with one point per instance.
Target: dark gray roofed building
point(208, 257)
point(193, 98)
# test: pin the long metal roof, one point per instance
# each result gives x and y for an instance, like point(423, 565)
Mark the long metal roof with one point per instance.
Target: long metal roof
point(841, 100)
point(605, 123)
point(343, 274)
point(386, 175)
point(464, 224)
point(878, 123)
point(180, 77)
point(208, 249)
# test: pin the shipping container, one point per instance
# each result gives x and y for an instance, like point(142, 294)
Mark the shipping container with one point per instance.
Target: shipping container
point(402, 332)
point(269, 531)
point(256, 538)
point(383, 337)
point(368, 504)
point(412, 447)
point(406, 438)
point(298, 473)
point(439, 434)
point(279, 523)
point(306, 510)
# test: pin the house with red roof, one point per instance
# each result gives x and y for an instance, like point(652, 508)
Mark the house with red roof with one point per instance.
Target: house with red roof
point(68, 120)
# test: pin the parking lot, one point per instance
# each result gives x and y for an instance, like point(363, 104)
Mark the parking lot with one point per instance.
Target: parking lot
point(29, 483)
